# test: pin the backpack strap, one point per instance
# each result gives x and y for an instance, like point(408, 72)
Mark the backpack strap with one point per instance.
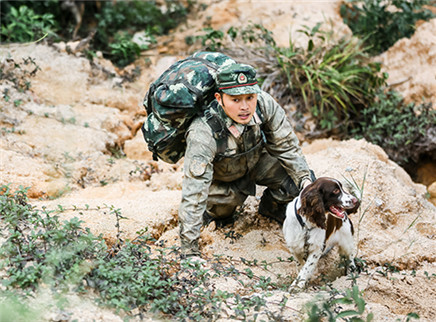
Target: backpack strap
point(204, 61)
point(220, 133)
point(147, 99)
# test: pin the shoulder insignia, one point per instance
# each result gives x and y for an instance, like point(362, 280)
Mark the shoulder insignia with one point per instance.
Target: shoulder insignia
point(197, 166)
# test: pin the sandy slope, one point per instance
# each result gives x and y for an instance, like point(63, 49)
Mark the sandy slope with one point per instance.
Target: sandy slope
point(57, 140)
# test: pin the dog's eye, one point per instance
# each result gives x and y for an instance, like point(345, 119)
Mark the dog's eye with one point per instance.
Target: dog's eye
point(336, 191)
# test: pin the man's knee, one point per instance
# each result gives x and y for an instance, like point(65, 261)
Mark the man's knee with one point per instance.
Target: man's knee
point(223, 199)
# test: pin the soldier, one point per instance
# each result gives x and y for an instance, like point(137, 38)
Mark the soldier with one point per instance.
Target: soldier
point(260, 149)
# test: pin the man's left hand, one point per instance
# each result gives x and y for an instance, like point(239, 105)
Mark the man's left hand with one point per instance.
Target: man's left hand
point(305, 183)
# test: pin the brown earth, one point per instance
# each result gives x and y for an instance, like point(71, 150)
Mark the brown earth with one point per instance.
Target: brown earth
point(58, 141)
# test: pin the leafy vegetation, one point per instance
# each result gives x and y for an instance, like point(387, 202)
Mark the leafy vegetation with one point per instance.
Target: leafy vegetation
point(110, 24)
point(123, 49)
point(38, 249)
point(22, 24)
point(404, 131)
point(328, 309)
point(128, 17)
point(211, 40)
point(335, 79)
point(381, 23)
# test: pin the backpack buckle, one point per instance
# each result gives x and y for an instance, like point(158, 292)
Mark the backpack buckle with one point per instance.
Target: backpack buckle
point(218, 129)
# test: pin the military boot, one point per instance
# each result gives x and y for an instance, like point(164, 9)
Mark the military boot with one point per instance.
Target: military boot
point(219, 222)
point(271, 208)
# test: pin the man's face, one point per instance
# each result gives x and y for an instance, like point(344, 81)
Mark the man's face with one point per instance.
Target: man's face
point(240, 108)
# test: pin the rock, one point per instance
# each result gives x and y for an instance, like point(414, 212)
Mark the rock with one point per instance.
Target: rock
point(432, 191)
point(413, 70)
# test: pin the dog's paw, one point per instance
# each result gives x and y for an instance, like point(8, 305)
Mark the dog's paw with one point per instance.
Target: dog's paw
point(297, 285)
point(351, 267)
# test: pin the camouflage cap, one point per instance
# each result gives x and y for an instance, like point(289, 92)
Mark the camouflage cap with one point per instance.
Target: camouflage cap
point(237, 79)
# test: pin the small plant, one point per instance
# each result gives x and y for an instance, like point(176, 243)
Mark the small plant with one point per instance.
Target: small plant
point(386, 269)
point(212, 39)
point(412, 315)
point(18, 73)
point(23, 25)
point(123, 50)
point(215, 40)
point(428, 276)
point(381, 23)
point(332, 308)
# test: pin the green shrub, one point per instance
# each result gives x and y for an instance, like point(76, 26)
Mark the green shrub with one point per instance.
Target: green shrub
point(405, 131)
point(29, 20)
point(123, 50)
point(39, 247)
point(23, 25)
point(123, 18)
point(334, 78)
point(137, 15)
point(381, 23)
point(215, 40)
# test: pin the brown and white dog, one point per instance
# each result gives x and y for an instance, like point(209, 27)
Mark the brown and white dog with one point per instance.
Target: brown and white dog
point(315, 222)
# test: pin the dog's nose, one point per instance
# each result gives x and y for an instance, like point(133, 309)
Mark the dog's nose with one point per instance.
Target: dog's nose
point(354, 200)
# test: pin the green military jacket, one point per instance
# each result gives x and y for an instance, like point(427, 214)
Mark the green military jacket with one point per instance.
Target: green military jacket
point(240, 156)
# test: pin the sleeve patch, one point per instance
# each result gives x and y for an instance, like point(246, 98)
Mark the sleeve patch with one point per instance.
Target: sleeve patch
point(197, 166)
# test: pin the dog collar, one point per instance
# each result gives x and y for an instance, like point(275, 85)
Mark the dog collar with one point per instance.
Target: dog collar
point(300, 220)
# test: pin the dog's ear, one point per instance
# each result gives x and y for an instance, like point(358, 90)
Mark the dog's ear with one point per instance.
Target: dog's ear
point(312, 206)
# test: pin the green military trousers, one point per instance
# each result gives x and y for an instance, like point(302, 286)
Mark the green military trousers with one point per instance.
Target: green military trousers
point(224, 197)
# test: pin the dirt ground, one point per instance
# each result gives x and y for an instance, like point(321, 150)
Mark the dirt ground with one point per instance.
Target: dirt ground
point(57, 141)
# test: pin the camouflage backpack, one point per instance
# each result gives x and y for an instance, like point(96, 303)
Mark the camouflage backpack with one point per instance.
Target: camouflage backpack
point(181, 93)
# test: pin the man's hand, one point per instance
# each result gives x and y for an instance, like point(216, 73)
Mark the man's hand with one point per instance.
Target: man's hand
point(305, 183)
